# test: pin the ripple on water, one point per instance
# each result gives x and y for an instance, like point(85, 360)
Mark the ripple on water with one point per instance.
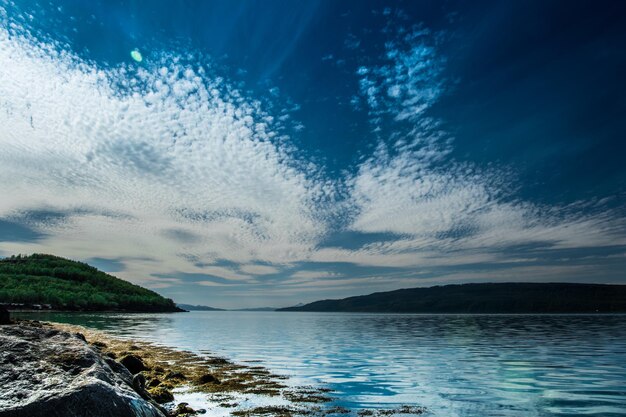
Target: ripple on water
point(452, 364)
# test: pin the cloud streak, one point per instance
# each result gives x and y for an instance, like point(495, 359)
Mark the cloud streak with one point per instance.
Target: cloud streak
point(170, 171)
point(170, 142)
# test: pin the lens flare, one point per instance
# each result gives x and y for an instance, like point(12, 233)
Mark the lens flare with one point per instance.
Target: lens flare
point(136, 55)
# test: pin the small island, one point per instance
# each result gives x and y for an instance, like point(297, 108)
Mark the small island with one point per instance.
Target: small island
point(42, 281)
point(192, 307)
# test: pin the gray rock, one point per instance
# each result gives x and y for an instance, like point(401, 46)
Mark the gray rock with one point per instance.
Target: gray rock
point(47, 372)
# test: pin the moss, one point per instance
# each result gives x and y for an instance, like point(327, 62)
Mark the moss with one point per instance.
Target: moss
point(299, 397)
point(161, 395)
point(222, 380)
point(169, 369)
point(207, 379)
point(154, 382)
point(175, 375)
point(183, 410)
point(338, 410)
point(385, 412)
point(277, 411)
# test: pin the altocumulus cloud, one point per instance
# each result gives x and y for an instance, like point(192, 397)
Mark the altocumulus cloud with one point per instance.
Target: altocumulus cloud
point(172, 172)
point(189, 163)
point(445, 212)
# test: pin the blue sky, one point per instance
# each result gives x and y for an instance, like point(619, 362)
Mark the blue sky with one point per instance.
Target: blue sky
point(275, 152)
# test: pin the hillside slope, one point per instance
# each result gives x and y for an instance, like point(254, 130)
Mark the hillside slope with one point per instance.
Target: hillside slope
point(485, 298)
point(71, 285)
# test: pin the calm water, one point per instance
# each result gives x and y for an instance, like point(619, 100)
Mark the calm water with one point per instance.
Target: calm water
point(453, 365)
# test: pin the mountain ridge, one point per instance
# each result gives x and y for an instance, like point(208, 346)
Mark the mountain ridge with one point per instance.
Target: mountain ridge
point(490, 298)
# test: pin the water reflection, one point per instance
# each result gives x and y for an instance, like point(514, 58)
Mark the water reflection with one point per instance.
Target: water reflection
point(455, 365)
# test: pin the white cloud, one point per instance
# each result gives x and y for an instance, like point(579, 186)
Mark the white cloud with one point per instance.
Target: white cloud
point(412, 187)
point(171, 166)
point(160, 283)
point(171, 141)
point(407, 82)
point(258, 269)
point(304, 274)
point(213, 284)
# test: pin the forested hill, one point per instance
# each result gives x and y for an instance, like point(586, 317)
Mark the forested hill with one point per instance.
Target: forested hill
point(485, 298)
point(71, 285)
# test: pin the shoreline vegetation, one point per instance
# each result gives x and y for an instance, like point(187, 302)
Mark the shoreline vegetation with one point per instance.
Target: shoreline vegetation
point(170, 381)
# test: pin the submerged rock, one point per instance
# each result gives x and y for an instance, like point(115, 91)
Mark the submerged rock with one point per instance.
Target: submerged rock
point(207, 379)
point(49, 373)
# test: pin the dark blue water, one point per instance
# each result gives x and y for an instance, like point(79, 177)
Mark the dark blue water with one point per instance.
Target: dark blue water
point(455, 365)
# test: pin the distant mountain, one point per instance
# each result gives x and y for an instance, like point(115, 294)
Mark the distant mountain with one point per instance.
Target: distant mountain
point(484, 298)
point(256, 309)
point(191, 307)
point(63, 284)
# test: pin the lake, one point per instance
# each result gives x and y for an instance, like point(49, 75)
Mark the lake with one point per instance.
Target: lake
point(454, 365)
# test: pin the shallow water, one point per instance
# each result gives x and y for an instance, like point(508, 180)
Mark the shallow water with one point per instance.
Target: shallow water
point(455, 365)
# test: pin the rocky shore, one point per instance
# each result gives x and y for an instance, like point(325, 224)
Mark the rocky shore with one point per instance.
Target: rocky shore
point(48, 372)
point(62, 370)
point(59, 370)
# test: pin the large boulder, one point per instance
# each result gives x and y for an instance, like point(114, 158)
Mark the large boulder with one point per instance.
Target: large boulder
point(45, 372)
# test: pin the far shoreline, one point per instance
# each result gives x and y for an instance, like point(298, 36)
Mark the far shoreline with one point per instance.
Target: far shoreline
point(92, 311)
point(590, 314)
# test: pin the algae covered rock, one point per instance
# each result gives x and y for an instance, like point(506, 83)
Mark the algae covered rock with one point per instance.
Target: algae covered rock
point(161, 395)
point(175, 375)
point(154, 382)
point(133, 363)
point(183, 410)
point(207, 379)
point(45, 372)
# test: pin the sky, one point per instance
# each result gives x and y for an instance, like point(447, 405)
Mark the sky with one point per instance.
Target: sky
point(266, 153)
